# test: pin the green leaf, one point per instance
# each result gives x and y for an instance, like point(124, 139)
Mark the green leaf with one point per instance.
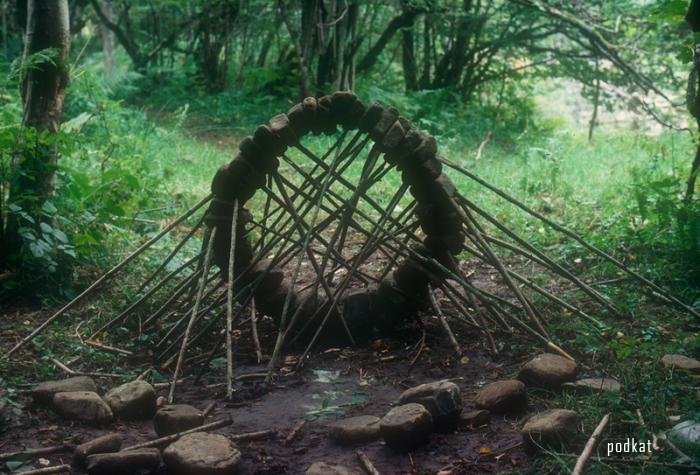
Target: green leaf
point(46, 228)
point(60, 235)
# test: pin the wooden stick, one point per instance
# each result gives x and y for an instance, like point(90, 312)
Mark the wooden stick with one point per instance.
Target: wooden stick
point(445, 325)
point(366, 463)
point(207, 410)
point(195, 308)
point(571, 235)
point(261, 434)
point(173, 437)
point(108, 275)
point(72, 372)
point(145, 297)
point(254, 331)
point(30, 454)
point(590, 445)
point(44, 471)
point(109, 348)
point(229, 303)
point(295, 430)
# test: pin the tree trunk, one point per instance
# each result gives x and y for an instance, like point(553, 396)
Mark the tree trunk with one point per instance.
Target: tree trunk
point(693, 95)
point(596, 100)
point(107, 37)
point(410, 69)
point(43, 92)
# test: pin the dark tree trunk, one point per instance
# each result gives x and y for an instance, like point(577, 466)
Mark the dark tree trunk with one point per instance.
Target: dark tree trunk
point(43, 92)
point(408, 50)
point(107, 37)
point(404, 20)
point(693, 95)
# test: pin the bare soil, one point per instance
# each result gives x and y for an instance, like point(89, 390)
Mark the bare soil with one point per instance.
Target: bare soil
point(338, 382)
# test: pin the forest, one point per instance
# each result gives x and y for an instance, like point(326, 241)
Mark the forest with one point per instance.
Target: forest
point(349, 237)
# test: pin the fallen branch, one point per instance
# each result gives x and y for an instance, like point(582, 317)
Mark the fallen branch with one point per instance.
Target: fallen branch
point(209, 409)
point(47, 470)
point(72, 372)
point(590, 445)
point(173, 437)
point(34, 453)
point(295, 430)
point(366, 463)
point(261, 434)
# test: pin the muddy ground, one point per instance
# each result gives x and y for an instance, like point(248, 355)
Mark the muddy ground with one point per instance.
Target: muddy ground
point(335, 383)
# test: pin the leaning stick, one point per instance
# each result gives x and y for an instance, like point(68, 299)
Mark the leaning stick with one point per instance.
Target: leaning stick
point(108, 275)
point(172, 254)
point(254, 331)
point(195, 309)
point(44, 471)
point(571, 235)
point(590, 445)
point(173, 437)
point(229, 303)
point(142, 299)
point(34, 453)
point(285, 308)
point(445, 325)
point(531, 312)
point(366, 463)
point(546, 261)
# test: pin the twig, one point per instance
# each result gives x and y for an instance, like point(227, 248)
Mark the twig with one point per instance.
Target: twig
point(107, 275)
point(195, 308)
point(173, 437)
point(483, 144)
point(366, 463)
point(443, 321)
point(590, 445)
point(295, 430)
point(44, 471)
point(254, 331)
point(261, 434)
point(229, 303)
point(109, 348)
point(421, 347)
point(71, 372)
point(33, 453)
point(209, 409)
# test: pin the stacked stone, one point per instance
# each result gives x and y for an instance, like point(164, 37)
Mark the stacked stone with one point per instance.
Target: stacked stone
point(413, 152)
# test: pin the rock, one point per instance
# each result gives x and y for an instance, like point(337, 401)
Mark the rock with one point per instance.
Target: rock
point(476, 418)
point(134, 400)
point(176, 418)
point(553, 428)
point(686, 436)
point(502, 396)
point(407, 426)
point(441, 398)
point(355, 430)
point(548, 371)
point(131, 462)
point(681, 362)
point(593, 385)
point(202, 453)
point(107, 443)
point(85, 406)
point(43, 393)
point(323, 468)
